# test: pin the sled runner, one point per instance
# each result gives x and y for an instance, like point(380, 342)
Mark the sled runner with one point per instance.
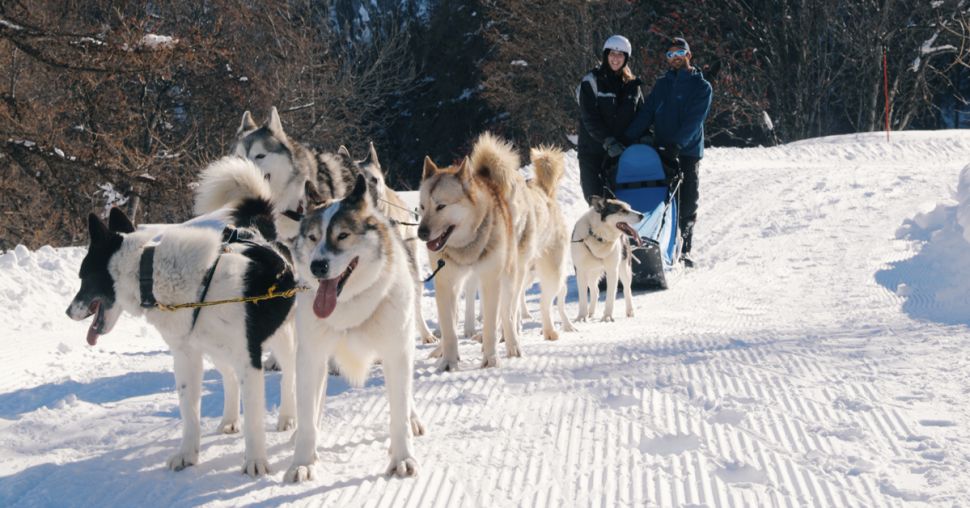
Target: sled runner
point(642, 182)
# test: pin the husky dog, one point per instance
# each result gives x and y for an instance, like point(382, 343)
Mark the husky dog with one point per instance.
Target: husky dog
point(597, 248)
point(128, 270)
point(403, 219)
point(358, 310)
point(470, 222)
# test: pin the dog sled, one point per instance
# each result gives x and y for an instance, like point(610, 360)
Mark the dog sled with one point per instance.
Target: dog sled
point(642, 182)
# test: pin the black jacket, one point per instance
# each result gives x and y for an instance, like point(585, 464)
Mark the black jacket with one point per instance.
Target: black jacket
point(607, 106)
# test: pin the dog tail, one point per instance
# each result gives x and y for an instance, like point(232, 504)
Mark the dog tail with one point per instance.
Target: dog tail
point(228, 182)
point(495, 160)
point(549, 166)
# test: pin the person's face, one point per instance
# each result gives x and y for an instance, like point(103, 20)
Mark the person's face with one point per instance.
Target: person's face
point(616, 59)
point(677, 58)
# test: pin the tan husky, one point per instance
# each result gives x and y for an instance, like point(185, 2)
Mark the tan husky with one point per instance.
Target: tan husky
point(467, 223)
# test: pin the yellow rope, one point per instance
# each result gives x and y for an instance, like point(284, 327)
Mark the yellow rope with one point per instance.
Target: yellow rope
point(271, 294)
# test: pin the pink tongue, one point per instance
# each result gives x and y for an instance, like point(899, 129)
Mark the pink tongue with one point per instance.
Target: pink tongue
point(92, 335)
point(326, 299)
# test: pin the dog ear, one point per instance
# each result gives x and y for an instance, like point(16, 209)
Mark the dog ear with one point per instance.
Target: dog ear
point(429, 168)
point(358, 194)
point(372, 156)
point(274, 124)
point(118, 222)
point(97, 230)
point(464, 170)
point(313, 196)
point(247, 123)
point(343, 152)
point(597, 203)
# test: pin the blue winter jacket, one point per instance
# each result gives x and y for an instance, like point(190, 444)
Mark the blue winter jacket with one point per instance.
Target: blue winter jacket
point(676, 108)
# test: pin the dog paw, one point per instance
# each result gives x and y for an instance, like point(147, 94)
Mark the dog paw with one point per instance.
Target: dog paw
point(182, 460)
point(568, 327)
point(285, 423)
point(580, 318)
point(436, 352)
point(447, 364)
point(256, 467)
point(512, 351)
point(607, 319)
point(417, 428)
point(489, 361)
point(551, 335)
point(429, 339)
point(405, 467)
point(478, 337)
point(229, 426)
point(300, 473)
point(629, 313)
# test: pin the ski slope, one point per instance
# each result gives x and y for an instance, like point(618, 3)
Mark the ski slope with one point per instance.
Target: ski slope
point(816, 356)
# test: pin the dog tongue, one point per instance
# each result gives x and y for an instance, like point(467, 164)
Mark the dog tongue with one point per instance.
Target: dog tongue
point(92, 335)
point(326, 300)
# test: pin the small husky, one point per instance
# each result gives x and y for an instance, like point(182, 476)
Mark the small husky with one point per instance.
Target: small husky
point(128, 270)
point(597, 248)
point(358, 310)
point(469, 223)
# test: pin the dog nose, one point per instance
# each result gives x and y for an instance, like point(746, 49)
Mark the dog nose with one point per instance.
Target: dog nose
point(424, 233)
point(320, 268)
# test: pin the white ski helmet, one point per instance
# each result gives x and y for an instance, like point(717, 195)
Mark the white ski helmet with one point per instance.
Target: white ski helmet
point(619, 43)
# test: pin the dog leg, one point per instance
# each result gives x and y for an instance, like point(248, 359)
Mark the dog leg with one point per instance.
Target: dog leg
point(397, 380)
point(254, 389)
point(230, 400)
point(446, 294)
point(626, 275)
point(471, 288)
point(594, 295)
point(188, 382)
point(612, 267)
point(422, 327)
point(549, 281)
point(490, 307)
point(284, 349)
point(561, 304)
point(508, 304)
point(311, 388)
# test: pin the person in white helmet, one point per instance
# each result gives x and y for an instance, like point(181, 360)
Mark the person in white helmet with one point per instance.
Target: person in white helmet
point(609, 97)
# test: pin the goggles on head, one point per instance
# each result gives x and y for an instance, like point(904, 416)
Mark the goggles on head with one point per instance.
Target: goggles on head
point(674, 54)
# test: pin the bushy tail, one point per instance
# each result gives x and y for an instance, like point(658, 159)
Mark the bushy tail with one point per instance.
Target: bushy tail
point(494, 160)
point(229, 181)
point(549, 166)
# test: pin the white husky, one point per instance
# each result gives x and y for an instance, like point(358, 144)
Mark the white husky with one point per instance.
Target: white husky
point(597, 248)
point(358, 310)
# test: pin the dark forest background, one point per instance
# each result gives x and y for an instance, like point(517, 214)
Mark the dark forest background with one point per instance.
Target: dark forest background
point(96, 108)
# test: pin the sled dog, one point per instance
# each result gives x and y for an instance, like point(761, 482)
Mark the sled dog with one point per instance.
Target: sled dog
point(544, 239)
point(598, 248)
point(358, 309)
point(469, 221)
point(129, 270)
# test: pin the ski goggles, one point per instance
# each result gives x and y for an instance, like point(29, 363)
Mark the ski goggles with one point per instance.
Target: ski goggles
point(674, 54)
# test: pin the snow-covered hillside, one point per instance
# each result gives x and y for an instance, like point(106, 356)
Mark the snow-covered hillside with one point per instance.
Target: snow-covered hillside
point(817, 356)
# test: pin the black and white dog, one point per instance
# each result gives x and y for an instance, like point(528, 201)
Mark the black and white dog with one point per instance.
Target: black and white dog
point(130, 270)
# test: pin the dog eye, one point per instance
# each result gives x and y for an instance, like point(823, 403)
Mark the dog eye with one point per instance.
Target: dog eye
point(342, 236)
point(267, 177)
point(421, 207)
point(439, 207)
point(261, 156)
point(313, 238)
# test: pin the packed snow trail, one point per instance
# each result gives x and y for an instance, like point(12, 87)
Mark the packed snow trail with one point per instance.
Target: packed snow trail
point(811, 359)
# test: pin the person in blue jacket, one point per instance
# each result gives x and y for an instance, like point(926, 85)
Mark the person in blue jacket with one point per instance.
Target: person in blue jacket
point(608, 100)
point(676, 109)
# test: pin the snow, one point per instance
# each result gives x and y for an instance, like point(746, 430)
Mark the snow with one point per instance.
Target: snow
point(815, 356)
point(155, 41)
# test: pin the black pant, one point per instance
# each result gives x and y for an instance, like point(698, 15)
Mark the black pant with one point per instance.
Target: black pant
point(595, 173)
point(689, 195)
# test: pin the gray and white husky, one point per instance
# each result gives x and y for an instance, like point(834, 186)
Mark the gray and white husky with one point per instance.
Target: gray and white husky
point(358, 310)
point(126, 269)
point(598, 248)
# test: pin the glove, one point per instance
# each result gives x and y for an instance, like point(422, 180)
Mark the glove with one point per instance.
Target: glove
point(669, 157)
point(613, 147)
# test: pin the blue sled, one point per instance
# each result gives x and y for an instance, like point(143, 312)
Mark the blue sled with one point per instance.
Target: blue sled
point(641, 182)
